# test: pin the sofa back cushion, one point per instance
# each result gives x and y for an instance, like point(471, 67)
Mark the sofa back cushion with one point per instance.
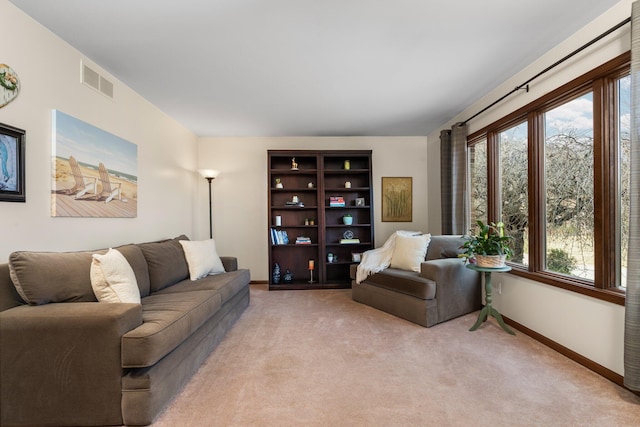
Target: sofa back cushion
point(138, 263)
point(44, 277)
point(166, 262)
point(444, 247)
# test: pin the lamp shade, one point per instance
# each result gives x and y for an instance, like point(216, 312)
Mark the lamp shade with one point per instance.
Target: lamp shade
point(208, 173)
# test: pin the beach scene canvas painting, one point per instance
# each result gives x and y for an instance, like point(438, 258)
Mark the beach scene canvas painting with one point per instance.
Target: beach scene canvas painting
point(95, 173)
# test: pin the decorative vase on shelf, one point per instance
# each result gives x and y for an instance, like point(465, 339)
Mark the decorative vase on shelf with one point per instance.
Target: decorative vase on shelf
point(347, 219)
point(288, 277)
point(276, 274)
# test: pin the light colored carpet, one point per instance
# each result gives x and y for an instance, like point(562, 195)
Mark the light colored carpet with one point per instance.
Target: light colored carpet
point(317, 358)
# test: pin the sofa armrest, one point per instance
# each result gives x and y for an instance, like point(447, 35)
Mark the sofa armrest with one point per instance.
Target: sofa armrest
point(458, 289)
point(440, 267)
point(62, 362)
point(230, 263)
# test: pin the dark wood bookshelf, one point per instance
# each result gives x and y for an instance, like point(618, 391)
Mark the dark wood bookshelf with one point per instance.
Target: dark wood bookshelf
point(320, 175)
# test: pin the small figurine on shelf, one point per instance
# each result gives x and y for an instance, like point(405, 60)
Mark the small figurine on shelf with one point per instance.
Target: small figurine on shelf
point(279, 183)
point(294, 165)
point(276, 274)
point(288, 277)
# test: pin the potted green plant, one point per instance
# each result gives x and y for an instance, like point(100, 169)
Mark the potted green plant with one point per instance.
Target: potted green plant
point(489, 247)
point(347, 219)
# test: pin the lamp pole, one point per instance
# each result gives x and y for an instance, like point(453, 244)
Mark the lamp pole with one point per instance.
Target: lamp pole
point(210, 178)
point(209, 175)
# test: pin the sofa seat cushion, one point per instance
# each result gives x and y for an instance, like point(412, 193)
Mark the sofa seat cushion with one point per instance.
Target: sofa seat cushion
point(406, 282)
point(228, 284)
point(168, 319)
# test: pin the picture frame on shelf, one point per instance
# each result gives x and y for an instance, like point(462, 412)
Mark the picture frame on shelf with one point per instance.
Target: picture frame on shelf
point(12, 164)
point(360, 202)
point(397, 199)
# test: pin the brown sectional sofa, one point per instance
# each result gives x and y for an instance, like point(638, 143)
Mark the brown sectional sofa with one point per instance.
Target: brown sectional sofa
point(442, 290)
point(66, 359)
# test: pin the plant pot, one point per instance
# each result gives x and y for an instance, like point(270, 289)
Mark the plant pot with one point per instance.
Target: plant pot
point(490, 261)
point(348, 220)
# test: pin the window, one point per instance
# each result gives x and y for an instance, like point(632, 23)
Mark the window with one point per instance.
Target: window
point(624, 177)
point(568, 181)
point(478, 173)
point(514, 192)
point(556, 172)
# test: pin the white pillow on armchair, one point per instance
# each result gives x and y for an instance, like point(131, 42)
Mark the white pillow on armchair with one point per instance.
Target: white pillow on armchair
point(410, 251)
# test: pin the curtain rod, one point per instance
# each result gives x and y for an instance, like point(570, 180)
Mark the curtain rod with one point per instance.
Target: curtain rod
point(525, 85)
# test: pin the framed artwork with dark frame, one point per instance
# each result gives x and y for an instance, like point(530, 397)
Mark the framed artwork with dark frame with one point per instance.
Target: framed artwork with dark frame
point(12, 164)
point(397, 199)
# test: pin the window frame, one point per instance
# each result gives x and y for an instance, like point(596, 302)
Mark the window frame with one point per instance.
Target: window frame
point(602, 82)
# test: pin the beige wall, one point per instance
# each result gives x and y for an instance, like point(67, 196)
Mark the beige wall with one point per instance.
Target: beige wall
point(49, 71)
point(590, 327)
point(240, 192)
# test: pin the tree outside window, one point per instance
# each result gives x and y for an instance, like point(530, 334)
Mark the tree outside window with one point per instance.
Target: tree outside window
point(478, 173)
point(514, 189)
point(568, 158)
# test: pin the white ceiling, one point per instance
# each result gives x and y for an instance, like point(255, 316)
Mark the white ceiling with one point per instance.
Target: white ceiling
point(313, 67)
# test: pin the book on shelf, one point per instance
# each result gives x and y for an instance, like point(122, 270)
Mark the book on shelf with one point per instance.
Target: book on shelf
point(303, 240)
point(349, 241)
point(336, 202)
point(279, 237)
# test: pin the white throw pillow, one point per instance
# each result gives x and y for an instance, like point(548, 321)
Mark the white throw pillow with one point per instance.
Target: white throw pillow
point(202, 258)
point(410, 251)
point(113, 279)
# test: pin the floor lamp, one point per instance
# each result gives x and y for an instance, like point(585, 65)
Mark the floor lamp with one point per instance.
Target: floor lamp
point(209, 175)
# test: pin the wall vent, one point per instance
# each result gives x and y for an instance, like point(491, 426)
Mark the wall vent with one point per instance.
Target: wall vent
point(95, 81)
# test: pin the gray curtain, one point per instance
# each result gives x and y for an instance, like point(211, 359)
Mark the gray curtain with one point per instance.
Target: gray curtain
point(632, 311)
point(454, 180)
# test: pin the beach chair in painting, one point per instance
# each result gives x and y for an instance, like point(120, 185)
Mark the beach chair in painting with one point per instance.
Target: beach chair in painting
point(84, 184)
point(109, 189)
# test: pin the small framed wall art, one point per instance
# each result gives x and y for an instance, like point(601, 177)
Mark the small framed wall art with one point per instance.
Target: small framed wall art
point(12, 188)
point(397, 199)
point(9, 85)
